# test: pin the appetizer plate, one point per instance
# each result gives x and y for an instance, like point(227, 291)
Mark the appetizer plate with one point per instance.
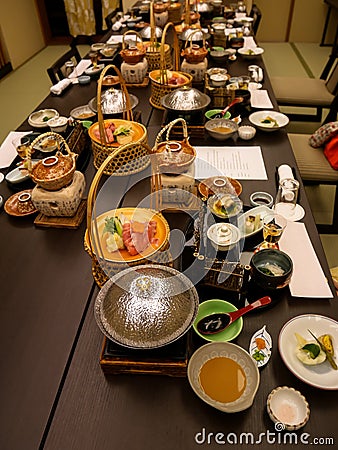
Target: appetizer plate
point(82, 113)
point(47, 145)
point(214, 306)
point(138, 214)
point(19, 174)
point(38, 119)
point(274, 120)
point(138, 130)
point(94, 70)
point(258, 210)
point(322, 376)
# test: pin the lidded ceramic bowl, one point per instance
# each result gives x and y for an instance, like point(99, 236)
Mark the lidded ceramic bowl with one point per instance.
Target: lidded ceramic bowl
point(185, 99)
point(113, 102)
point(146, 306)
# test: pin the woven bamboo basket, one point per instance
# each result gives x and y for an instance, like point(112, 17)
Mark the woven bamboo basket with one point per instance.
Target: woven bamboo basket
point(175, 12)
point(160, 78)
point(103, 268)
point(153, 53)
point(57, 175)
point(135, 157)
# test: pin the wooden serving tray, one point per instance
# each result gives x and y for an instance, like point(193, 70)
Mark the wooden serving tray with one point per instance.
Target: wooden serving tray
point(170, 360)
point(63, 222)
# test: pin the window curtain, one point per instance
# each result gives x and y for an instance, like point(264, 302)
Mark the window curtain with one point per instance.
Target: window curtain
point(108, 6)
point(80, 16)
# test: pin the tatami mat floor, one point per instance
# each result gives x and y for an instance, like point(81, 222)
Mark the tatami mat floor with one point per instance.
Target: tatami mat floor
point(22, 90)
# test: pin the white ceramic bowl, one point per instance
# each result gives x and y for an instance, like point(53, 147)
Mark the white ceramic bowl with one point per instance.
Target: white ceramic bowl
point(289, 407)
point(223, 236)
point(268, 120)
point(246, 132)
point(218, 79)
point(58, 124)
point(38, 119)
point(84, 79)
point(238, 355)
point(250, 53)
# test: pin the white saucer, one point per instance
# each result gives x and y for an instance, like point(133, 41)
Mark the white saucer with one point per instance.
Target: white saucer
point(298, 214)
point(2, 176)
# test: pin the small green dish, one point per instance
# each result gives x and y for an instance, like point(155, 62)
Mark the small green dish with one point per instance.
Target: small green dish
point(209, 114)
point(216, 306)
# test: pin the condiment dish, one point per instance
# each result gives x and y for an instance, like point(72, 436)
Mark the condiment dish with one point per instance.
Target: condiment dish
point(221, 129)
point(289, 407)
point(214, 306)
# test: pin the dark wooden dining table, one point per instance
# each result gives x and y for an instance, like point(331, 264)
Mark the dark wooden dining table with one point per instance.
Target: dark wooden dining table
point(54, 394)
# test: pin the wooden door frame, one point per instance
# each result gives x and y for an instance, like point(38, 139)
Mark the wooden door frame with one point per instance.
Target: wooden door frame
point(44, 22)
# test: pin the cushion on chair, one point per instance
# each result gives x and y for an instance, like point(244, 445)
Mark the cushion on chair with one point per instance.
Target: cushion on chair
point(301, 91)
point(312, 163)
point(331, 152)
point(323, 134)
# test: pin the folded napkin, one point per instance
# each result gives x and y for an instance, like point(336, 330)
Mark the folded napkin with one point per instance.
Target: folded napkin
point(79, 69)
point(284, 171)
point(249, 42)
point(308, 278)
point(7, 150)
point(260, 99)
point(59, 87)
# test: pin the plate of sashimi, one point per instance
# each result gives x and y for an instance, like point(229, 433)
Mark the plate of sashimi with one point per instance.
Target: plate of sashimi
point(130, 234)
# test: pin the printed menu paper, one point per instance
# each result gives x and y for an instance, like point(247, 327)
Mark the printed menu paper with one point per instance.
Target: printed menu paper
point(308, 278)
point(242, 163)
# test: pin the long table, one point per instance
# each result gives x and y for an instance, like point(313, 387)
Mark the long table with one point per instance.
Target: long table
point(54, 394)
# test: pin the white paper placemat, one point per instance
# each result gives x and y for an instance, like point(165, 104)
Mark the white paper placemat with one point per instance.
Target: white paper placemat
point(240, 162)
point(308, 278)
point(260, 99)
point(7, 150)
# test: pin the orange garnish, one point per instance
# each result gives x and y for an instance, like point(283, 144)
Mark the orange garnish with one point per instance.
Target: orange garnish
point(260, 343)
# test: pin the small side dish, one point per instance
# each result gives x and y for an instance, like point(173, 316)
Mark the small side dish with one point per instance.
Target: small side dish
point(287, 406)
point(260, 347)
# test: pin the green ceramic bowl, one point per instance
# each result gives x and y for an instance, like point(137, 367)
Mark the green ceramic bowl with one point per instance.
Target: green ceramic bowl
point(209, 114)
point(215, 306)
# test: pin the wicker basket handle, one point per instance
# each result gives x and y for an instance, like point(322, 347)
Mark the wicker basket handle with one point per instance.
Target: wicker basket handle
point(163, 70)
point(131, 32)
point(59, 139)
point(189, 40)
point(153, 38)
point(92, 194)
point(127, 114)
point(168, 128)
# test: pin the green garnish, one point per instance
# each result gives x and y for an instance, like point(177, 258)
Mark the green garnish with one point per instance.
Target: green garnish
point(258, 355)
point(312, 349)
point(113, 225)
point(46, 118)
point(266, 271)
point(122, 130)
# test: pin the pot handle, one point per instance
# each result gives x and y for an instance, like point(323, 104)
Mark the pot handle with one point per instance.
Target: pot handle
point(167, 129)
point(137, 36)
point(189, 40)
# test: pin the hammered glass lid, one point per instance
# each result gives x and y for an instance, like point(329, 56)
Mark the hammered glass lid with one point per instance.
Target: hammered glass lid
point(186, 99)
point(112, 102)
point(146, 306)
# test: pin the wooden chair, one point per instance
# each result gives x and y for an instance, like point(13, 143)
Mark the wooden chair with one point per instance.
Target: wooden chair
point(315, 169)
point(318, 93)
point(57, 71)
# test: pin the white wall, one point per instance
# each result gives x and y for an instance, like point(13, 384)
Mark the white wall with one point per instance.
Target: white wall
point(20, 30)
